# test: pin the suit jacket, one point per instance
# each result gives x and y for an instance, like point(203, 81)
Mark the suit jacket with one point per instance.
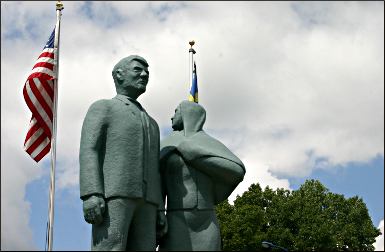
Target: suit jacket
point(119, 151)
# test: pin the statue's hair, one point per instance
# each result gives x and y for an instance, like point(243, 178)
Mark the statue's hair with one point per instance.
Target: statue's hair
point(122, 64)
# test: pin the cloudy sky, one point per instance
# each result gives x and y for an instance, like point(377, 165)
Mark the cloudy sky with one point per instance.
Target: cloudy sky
point(295, 89)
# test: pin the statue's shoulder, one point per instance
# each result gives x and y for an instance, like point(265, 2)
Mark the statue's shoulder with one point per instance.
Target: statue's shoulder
point(152, 120)
point(213, 147)
point(102, 102)
point(102, 106)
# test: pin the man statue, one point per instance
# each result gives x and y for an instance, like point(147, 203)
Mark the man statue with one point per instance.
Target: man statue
point(198, 172)
point(119, 164)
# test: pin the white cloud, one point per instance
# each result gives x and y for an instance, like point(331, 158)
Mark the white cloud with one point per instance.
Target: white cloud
point(290, 87)
point(258, 173)
point(17, 171)
point(379, 244)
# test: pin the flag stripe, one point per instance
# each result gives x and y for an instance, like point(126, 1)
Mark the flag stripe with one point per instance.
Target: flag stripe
point(44, 64)
point(48, 49)
point(42, 96)
point(47, 54)
point(43, 152)
point(43, 70)
point(33, 127)
point(39, 75)
point(47, 90)
point(45, 143)
point(38, 103)
point(36, 114)
point(45, 59)
point(33, 136)
point(48, 86)
point(35, 145)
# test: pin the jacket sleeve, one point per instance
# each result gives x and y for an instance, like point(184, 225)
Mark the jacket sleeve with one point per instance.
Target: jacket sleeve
point(225, 175)
point(165, 152)
point(92, 149)
point(163, 188)
point(215, 160)
point(220, 169)
point(219, 163)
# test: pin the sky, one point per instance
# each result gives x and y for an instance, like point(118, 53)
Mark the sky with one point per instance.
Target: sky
point(294, 89)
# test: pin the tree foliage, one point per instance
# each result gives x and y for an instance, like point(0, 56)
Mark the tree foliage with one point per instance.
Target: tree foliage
point(310, 218)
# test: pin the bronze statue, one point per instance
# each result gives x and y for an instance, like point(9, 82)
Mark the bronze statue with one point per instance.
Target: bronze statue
point(198, 172)
point(119, 164)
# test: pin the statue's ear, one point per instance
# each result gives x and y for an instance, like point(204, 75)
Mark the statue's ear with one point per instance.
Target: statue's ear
point(119, 74)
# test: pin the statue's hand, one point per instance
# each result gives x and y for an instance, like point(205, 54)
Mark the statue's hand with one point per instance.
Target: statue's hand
point(161, 226)
point(93, 209)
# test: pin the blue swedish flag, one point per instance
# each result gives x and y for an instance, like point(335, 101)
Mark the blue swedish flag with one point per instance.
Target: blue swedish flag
point(194, 86)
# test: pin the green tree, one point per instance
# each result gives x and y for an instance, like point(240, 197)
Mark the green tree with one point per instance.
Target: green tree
point(310, 218)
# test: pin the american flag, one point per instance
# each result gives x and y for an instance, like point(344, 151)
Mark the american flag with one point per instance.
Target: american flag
point(38, 93)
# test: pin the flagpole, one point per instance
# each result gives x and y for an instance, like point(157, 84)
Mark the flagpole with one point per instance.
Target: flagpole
point(59, 8)
point(191, 52)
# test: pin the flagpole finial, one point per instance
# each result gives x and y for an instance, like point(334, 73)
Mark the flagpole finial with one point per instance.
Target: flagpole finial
point(59, 5)
point(192, 42)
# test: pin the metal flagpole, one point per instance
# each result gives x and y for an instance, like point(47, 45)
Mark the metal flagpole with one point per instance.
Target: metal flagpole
point(191, 52)
point(59, 8)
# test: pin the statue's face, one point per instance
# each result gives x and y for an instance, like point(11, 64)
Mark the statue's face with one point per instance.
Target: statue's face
point(177, 122)
point(135, 76)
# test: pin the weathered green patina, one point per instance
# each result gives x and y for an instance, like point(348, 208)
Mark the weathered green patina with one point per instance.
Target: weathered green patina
point(198, 172)
point(119, 165)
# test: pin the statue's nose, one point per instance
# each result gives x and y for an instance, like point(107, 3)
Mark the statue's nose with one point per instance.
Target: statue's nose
point(144, 74)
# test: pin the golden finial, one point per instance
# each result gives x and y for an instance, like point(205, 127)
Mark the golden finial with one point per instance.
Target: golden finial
point(192, 42)
point(59, 5)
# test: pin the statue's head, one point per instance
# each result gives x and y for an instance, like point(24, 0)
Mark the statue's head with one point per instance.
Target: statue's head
point(189, 117)
point(131, 76)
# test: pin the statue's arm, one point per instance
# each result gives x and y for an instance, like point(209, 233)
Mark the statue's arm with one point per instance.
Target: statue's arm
point(162, 225)
point(219, 168)
point(163, 184)
point(216, 166)
point(92, 146)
